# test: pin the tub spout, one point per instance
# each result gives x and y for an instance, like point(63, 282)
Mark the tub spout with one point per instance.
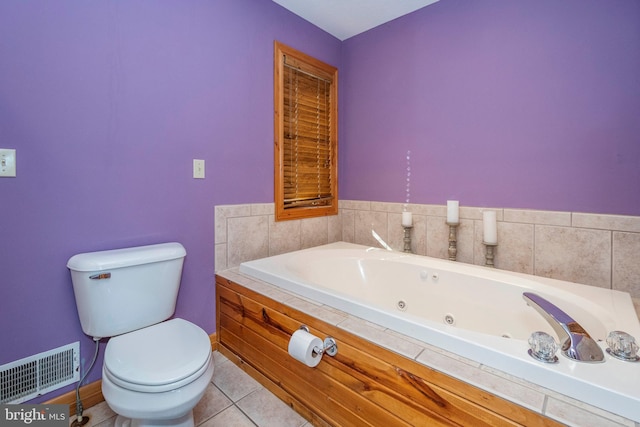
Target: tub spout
point(576, 342)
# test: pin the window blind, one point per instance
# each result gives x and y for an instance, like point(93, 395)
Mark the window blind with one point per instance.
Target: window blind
point(307, 145)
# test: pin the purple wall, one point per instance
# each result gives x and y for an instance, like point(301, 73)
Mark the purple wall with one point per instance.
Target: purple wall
point(107, 103)
point(523, 104)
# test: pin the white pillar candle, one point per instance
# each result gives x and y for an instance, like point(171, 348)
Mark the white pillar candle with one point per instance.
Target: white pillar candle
point(407, 219)
point(452, 211)
point(490, 227)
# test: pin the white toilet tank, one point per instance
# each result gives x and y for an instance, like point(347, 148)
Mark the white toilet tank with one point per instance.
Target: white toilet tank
point(121, 290)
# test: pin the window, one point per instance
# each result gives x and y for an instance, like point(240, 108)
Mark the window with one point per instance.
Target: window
point(306, 135)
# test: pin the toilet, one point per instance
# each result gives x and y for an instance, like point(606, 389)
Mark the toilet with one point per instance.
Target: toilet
point(155, 370)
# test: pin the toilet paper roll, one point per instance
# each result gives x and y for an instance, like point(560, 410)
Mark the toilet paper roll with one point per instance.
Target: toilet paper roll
point(301, 348)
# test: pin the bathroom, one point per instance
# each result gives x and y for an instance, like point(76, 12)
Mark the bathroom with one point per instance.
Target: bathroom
point(528, 106)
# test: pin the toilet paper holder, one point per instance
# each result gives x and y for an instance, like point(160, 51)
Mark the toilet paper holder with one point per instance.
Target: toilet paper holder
point(330, 346)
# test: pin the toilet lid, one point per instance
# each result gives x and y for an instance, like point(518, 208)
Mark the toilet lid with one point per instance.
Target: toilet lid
point(161, 354)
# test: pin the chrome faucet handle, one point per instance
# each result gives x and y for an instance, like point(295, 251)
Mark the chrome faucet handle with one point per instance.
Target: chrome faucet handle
point(577, 344)
point(543, 347)
point(622, 346)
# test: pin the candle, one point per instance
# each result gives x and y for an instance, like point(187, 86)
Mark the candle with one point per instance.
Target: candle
point(490, 227)
point(407, 219)
point(452, 211)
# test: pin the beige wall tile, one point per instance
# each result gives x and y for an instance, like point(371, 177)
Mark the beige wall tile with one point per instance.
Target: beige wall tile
point(220, 225)
point(314, 232)
point(538, 217)
point(428, 210)
point(606, 222)
point(235, 210)
point(248, 239)
point(354, 204)
point(626, 262)
point(465, 234)
point(476, 213)
point(220, 255)
point(516, 247)
point(284, 236)
point(438, 238)
point(263, 209)
point(368, 221)
point(418, 234)
point(348, 225)
point(573, 254)
point(334, 228)
point(386, 207)
point(470, 212)
point(222, 213)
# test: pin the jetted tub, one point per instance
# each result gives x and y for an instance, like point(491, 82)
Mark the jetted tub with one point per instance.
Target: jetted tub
point(476, 312)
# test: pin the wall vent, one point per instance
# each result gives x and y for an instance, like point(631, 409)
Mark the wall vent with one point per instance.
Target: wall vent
point(32, 376)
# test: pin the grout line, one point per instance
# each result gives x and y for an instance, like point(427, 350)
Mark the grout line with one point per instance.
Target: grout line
point(612, 258)
point(244, 413)
point(533, 250)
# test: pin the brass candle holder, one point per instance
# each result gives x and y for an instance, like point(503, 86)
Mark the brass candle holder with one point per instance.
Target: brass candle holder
point(489, 254)
point(453, 240)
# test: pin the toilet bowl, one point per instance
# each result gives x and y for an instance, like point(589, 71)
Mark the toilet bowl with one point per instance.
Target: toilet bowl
point(156, 375)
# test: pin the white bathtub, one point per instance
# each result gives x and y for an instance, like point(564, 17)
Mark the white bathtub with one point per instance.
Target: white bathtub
point(476, 312)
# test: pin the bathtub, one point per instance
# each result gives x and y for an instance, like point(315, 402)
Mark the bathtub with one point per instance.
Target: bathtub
point(476, 312)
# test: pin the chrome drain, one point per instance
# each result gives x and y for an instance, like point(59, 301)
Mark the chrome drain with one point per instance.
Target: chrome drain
point(449, 319)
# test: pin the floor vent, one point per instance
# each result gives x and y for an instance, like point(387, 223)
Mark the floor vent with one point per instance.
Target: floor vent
point(32, 376)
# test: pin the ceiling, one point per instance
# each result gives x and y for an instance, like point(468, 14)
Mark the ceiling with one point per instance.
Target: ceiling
point(347, 18)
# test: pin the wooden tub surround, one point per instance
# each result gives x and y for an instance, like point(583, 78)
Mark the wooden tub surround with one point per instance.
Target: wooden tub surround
point(363, 385)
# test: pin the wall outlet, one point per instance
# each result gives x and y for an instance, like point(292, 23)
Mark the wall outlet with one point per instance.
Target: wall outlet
point(7, 162)
point(198, 168)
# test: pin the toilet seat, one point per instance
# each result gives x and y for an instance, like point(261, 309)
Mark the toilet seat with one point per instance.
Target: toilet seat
point(158, 358)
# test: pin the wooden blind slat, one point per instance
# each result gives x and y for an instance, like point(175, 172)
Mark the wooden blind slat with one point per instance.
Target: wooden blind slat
point(307, 67)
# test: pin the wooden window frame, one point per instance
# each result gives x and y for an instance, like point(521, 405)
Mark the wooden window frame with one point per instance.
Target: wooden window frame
point(320, 70)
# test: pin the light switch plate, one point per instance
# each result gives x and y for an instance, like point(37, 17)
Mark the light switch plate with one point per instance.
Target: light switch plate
point(7, 162)
point(198, 168)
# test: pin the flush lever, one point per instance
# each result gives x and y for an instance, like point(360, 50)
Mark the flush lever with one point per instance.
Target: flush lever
point(100, 276)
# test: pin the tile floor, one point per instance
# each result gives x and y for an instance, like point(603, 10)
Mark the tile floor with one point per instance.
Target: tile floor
point(233, 399)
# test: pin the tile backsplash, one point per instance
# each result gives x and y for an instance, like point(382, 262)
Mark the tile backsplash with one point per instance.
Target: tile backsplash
point(593, 249)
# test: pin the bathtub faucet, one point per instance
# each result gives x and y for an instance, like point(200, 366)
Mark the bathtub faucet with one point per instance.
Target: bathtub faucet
point(576, 343)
